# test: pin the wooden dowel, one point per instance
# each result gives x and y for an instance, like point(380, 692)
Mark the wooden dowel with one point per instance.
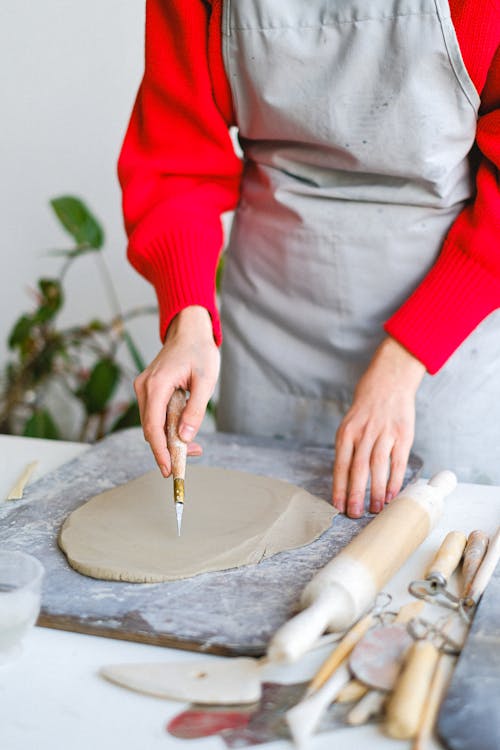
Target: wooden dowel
point(431, 707)
point(17, 490)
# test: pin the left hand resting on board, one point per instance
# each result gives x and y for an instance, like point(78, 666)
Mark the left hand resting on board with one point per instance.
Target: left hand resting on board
point(376, 434)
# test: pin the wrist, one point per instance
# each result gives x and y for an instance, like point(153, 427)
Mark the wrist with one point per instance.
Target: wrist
point(193, 321)
point(403, 364)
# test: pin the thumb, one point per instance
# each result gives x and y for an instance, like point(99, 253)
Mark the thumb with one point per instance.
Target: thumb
point(192, 416)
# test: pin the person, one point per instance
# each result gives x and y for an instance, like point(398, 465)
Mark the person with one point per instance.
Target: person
point(362, 277)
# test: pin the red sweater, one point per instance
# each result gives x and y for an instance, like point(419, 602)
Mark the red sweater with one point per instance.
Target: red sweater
point(179, 172)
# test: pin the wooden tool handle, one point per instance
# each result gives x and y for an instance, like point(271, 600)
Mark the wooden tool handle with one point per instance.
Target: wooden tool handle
point(485, 571)
point(448, 557)
point(176, 447)
point(477, 544)
point(340, 653)
point(353, 691)
point(431, 707)
point(406, 704)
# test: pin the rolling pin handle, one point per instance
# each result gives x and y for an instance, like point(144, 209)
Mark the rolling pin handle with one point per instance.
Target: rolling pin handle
point(445, 480)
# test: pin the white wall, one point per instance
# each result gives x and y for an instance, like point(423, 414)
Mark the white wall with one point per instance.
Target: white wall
point(69, 71)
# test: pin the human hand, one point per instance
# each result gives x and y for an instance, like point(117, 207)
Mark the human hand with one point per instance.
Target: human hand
point(189, 359)
point(376, 434)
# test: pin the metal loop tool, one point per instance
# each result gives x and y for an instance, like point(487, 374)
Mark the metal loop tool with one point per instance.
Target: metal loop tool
point(435, 632)
point(434, 588)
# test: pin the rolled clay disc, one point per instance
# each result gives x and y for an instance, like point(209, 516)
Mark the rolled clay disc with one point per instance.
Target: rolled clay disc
point(231, 518)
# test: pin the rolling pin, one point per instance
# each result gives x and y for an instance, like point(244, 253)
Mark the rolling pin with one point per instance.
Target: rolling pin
point(345, 588)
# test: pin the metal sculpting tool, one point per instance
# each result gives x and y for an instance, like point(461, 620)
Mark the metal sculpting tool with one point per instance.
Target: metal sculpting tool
point(178, 451)
point(434, 588)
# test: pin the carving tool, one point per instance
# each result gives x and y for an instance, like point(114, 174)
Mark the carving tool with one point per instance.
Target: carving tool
point(339, 594)
point(434, 588)
point(178, 451)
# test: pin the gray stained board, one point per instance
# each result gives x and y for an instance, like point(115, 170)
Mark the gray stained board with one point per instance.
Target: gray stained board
point(469, 718)
point(230, 612)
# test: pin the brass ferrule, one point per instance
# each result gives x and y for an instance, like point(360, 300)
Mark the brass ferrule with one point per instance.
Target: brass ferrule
point(179, 490)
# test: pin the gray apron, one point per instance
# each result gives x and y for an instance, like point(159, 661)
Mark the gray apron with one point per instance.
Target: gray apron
point(356, 120)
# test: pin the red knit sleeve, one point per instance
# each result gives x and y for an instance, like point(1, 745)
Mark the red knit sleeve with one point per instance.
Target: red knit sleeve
point(463, 286)
point(177, 166)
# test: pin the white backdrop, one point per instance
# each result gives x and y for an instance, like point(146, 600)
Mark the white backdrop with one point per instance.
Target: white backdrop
point(69, 75)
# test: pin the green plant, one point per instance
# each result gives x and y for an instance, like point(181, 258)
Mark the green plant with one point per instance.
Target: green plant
point(83, 359)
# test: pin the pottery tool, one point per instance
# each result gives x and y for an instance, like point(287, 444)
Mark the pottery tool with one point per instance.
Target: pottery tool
point(434, 588)
point(477, 544)
point(16, 492)
point(469, 718)
point(340, 653)
point(347, 586)
point(207, 681)
point(406, 705)
point(431, 705)
point(478, 584)
point(303, 719)
point(356, 689)
point(376, 662)
point(178, 451)
point(331, 678)
point(247, 726)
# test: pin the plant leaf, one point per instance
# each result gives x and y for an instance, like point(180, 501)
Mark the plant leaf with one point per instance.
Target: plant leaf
point(21, 331)
point(77, 219)
point(52, 300)
point(100, 386)
point(41, 425)
point(129, 418)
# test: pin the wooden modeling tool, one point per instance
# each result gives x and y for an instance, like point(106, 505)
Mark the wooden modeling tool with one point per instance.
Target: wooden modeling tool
point(17, 490)
point(346, 587)
point(477, 544)
point(434, 587)
point(484, 572)
point(178, 451)
point(376, 662)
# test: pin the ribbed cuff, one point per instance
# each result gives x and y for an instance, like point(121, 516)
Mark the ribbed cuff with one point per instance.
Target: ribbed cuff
point(455, 296)
point(181, 264)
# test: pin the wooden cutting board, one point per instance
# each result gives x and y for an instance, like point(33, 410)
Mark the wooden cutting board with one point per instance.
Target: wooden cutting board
point(231, 612)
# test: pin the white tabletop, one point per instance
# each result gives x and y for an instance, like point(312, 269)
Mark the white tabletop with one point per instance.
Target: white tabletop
point(52, 696)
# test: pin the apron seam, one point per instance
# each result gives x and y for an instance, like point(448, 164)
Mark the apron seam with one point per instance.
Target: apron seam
point(350, 22)
point(455, 56)
point(226, 39)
